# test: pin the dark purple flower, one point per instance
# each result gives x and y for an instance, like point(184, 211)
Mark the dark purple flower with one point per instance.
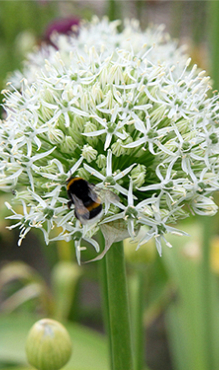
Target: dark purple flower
point(61, 25)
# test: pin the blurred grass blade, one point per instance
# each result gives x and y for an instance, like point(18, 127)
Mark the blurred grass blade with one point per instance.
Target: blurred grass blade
point(214, 40)
point(64, 278)
point(186, 314)
point(21, 296)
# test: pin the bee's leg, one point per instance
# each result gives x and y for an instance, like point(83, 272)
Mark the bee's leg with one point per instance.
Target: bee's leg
point(70, 203)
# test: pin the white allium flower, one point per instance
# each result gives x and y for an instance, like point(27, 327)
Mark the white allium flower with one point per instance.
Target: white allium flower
point(125, 111)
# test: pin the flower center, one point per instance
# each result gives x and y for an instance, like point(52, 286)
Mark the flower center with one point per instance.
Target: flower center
point(201, 186)
point(111, 127)
point(131, 212)
point(77, 235)
point(213, 138)
point(169, 185)
point(48, 212)
point(161, 229)
point(152, 134)
point(186, 146)
point(109, 180)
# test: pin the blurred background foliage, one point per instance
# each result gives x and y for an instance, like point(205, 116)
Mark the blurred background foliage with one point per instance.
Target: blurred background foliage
point(180, 304)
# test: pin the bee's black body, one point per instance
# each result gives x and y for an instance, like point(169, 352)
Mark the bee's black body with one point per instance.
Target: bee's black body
point(86, 201)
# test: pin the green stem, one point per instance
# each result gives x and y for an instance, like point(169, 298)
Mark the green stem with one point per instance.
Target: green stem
point(105, 303)
point(175, 17)
point(137, 286)
point(206, 292)
point(214, 31)
point(113, 10)
point(120, 330)
point(139, 4)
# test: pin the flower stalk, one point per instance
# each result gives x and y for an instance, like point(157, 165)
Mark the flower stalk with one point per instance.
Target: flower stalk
point(119, 315)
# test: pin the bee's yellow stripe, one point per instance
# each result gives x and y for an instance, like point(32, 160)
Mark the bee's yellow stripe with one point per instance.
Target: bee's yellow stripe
point(93, 206)
point(71, 181)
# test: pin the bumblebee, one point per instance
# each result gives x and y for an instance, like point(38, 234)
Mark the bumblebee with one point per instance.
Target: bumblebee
point(86, 201)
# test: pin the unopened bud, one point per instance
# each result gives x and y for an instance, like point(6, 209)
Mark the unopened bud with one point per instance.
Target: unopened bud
point(48, 345)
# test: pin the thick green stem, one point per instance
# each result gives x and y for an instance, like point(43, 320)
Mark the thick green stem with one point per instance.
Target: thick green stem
point(119, 316)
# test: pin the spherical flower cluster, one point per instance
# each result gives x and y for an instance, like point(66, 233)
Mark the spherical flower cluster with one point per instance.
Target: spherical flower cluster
point(124, 111)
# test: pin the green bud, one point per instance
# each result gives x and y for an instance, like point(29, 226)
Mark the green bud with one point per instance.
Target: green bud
point(101, 161)
point(89, 153)
point(91, 127)
point(97, 93)
point(46, 113)
point(55, 135)
point(68, 145)
point(76, 135)
point(158, 113)
point(50, 96)
point(48, 345)
point(138, 175)
point(115, 75)
point(117, 148)
point(84, 174)
point(104, 77)
point(78, 124)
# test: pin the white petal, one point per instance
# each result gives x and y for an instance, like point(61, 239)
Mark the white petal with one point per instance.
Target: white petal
point(94, 172)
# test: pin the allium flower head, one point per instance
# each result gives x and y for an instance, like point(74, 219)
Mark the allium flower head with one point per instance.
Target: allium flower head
point(123, 110)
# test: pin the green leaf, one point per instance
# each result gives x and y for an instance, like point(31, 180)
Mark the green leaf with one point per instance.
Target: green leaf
point(185, 315)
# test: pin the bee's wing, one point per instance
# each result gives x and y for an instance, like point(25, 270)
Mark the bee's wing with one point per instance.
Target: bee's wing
point(80, 210)
point(102, 195)
point(93, 194)
point(107, 195)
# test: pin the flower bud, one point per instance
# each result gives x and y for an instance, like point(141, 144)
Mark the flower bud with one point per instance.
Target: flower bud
point(204, 206)
point(117, 148)
point(48, 345)
point(97, 93)
point(55, 135)
point(77, 124)
point(89, 153)
point(68, 145)
point(101, 161)
point(91, 127)
point(84, 174)
point(138, 175)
